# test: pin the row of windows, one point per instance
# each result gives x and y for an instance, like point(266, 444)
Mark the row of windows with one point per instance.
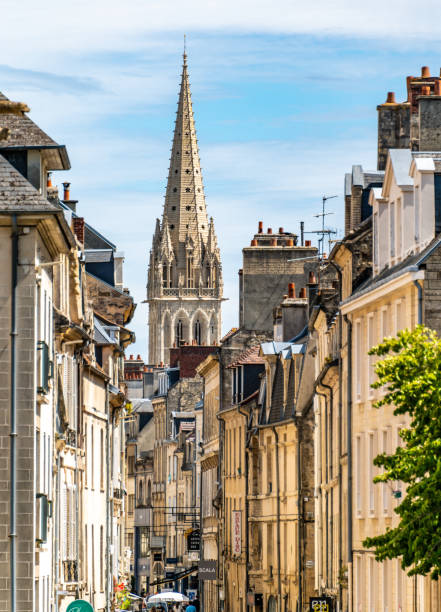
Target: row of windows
point(380, 586)
point(90, 443)
point(369, 331)
point(373, 499)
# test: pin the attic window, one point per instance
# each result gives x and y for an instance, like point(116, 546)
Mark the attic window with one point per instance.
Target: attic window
point(187, 189)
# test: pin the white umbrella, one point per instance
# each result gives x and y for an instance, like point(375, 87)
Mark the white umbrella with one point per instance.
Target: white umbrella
point(167, 596)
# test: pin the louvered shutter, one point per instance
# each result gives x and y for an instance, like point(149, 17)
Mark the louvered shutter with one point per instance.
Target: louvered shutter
point(74, 393)
point(72, 525)
point(64, 523)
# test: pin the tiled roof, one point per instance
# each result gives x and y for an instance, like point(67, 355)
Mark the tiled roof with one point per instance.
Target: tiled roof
point(232, 331)
point(17, 194)
point(249, 357)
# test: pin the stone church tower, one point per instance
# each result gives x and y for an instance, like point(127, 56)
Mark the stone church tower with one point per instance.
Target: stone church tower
point(184, 287)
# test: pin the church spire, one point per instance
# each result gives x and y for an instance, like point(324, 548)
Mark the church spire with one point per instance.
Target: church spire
point(184, 200)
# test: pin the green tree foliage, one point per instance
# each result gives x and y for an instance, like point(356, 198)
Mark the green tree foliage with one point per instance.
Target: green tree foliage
point(410, 371)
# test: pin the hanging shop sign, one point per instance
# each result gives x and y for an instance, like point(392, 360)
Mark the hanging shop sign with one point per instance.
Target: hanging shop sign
point(237, 532)
point(320, 604)
point(194, 540)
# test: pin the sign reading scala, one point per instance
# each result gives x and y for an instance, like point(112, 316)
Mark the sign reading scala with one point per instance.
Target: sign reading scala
point(79, 605)
point(320, 604)
point(237, 532)
point(207, 570)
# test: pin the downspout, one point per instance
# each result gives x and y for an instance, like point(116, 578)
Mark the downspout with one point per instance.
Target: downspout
point(279, 576)
point(349, 443)
point(247, 512)
point(420, 301)
point(329, 494)
point(326, 480)
point(108, 538)
point(13, 431)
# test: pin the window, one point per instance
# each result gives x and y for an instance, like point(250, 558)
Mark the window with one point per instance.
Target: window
point(92, 458)
point(190, 271)
point(140, 496)
point(102, 460)
point(179, 333)
point(417, 213)
point(372, 585)
point(359, 358)
point(269, 465)
point(371, 360)
point(131, 464)
point(359, 472)
point(175, 189)
point(399, 232)
point(392, 228)
point(101, 558)
point(187, 189)
point(197, 332)
point(129, 540)
point(188, 208)
point(384, 486)
point(130, 503)
point(371, 455)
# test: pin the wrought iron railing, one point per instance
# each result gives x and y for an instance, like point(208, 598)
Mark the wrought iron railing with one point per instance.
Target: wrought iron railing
point(70, 569)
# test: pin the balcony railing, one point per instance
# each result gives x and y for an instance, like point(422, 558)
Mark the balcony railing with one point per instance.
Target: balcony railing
point(70, 570)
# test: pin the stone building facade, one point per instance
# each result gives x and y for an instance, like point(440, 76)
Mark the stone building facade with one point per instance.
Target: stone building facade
point(185, 287)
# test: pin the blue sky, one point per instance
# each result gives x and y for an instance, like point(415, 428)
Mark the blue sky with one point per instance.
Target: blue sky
point(284, 95)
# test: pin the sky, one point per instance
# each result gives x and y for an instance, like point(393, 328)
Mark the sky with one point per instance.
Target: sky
point(284, 95)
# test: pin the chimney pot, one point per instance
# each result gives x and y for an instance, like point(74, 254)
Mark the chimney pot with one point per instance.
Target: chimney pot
point(139, 358)
point(425, 90)
point(289, 242)
point(307, 243)
point(253, 243)
point(390, 97)
point(131, 356)
point(260, 227)
point(269, 230)
point(280, 230)
point(302, 293)
point(312, 280)
point(273, 242)
point(437, 89)
point(425, 72)
point(291, 290)
point(66, 195)
point(49, 179)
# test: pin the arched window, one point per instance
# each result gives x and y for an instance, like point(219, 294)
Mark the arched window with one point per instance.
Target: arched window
point(208, 275)
point(140, 498)
point(179, 333)
point(197, 331)
point(149, 493)
point(190, 271)
point(164, 275)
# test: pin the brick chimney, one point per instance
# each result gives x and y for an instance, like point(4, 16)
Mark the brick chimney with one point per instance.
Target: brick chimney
point(78, 228)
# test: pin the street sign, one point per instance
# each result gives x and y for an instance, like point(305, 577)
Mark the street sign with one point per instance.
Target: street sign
point(320, 604)
point(207, 570)
point(79, 605)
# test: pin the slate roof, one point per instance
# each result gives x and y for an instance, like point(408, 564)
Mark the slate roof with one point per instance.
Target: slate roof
point(17, 194)
point(24, 133)
point(411, 263)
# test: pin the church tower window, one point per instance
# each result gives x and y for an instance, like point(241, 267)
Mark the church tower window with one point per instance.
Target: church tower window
point(179, 333)
point(197, 332)
point(190, 271)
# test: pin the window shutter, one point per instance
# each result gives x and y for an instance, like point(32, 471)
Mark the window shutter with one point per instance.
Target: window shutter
point(64, 523)
point(72, 526)
point(74, 393)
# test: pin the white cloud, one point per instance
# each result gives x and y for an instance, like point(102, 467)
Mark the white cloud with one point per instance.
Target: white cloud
point(111, 24)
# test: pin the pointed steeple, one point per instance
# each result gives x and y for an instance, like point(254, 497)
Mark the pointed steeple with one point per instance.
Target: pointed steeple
point(184, 200)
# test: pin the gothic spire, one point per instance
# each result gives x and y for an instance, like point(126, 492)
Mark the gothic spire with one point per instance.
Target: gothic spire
point(184, 201)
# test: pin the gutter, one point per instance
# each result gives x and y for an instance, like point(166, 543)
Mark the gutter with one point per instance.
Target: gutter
point(13, 415)
point(247, 511)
